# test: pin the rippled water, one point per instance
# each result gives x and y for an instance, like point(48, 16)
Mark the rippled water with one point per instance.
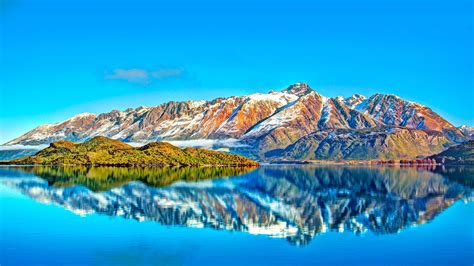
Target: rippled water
point(270, 215)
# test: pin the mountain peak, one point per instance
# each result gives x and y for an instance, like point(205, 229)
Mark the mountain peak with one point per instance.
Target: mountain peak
point(83, 115)
point(356, 97)
point(354, 100)
point(467, 130)
point(299, 89)
point(261, 121)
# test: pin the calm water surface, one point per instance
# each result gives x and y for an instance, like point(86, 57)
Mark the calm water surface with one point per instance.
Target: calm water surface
point(275, 215)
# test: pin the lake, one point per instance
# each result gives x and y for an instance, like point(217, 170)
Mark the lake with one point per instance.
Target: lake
point(271, 215)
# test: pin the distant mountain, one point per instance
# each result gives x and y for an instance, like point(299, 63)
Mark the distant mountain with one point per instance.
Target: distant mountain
point(105, 151)
point(11, 154)
point(360, 144)
point(460, 154)
point(258, 124)
point(468, 131)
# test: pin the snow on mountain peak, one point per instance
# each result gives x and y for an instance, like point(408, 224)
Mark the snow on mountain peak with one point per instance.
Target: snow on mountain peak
point(196, 104)
point(340, 99)
point(287, 114)
point(467, 130)
point(280, 97)
point(83, 115)
point(351, 101)
point(354, 101)
point(299, 89)
point(356, 97)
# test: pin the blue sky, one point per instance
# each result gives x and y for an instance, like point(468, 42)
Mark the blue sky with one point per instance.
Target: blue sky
point(60, 58)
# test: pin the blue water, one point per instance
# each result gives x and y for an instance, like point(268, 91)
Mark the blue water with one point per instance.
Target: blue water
point(38, 230)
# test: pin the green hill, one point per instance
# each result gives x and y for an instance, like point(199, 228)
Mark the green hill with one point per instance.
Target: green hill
point(109, 152)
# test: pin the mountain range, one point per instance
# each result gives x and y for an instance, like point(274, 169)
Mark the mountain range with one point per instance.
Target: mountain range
point(292, 124)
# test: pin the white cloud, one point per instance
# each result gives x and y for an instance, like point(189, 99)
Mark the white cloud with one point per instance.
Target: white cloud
point(207, 143)
point(22, 147)
point(136, 144)
point(197, 143)
point(167, 73)
point(131, 75)
point(143, 76)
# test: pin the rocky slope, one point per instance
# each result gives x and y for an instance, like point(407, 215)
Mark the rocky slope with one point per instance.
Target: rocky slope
point(460, 154)
point(363, 144)
point(468, 131)
point(105, 151)
point(259, 123)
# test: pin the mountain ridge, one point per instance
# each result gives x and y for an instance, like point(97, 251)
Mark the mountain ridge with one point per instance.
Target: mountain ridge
point(264, 122)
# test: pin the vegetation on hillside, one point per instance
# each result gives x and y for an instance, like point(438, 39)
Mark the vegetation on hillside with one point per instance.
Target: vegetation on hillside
point(105, 151)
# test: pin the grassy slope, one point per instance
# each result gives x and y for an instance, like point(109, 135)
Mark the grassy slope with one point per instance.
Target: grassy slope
point(105, 151)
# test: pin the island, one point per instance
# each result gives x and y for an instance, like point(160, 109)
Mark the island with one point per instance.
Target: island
point(102, 151)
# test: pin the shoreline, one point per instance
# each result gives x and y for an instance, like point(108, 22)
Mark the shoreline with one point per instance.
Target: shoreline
point(135, 165)
point(420, 162)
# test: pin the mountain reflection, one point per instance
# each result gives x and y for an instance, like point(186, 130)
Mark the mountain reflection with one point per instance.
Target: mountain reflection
point(294, 202)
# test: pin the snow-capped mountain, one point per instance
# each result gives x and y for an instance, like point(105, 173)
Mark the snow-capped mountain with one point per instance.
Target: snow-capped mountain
point(217, 119)
point(468, 131)
point(260, 122)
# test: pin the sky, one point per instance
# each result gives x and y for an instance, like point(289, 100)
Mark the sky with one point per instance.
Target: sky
point(60, 58)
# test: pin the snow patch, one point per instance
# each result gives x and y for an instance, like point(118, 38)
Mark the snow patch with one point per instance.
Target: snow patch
point(82, 115)
point(325, 111)
point(196, 104)
point(279, 97)
point(280, 118)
